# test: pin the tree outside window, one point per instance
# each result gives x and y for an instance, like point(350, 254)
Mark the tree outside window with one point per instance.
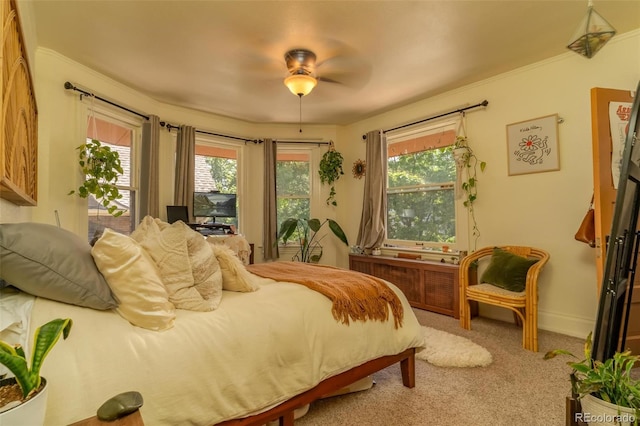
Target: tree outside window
point(293, 186)
point(421, 188)
point(216, 169)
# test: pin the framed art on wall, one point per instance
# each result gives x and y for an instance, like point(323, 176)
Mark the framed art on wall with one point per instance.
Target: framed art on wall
point(532, 145)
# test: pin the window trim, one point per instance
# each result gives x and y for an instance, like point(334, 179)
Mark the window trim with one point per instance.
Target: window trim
point(312, 194)
point(213, 141)
point(460, 212)
point(134, 124)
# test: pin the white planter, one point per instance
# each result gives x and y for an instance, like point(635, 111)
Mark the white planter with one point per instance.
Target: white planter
point(597, 412)
point(31, 413)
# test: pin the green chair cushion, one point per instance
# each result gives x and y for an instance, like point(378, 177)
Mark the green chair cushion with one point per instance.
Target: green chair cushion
point(507, 270)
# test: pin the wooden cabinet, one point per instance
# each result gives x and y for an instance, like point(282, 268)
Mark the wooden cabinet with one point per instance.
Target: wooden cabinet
point(428, 285)
point(604, 146)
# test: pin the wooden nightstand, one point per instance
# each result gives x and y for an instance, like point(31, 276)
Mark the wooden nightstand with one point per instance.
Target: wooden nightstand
point(133, 419)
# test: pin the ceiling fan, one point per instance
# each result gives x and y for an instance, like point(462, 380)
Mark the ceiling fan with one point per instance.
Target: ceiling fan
point(301, 64)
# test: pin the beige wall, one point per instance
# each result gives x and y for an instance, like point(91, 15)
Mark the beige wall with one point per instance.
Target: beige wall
point(542, 209)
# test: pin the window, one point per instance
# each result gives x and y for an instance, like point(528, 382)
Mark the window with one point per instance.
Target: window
point(121, 136)
point(421, 185)
point(216, 169)
point(293, 185)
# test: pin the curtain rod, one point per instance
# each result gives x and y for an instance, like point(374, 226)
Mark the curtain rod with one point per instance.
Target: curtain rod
point(245, 140)
point(305, 142)
point(69, 86)
point(483, 104)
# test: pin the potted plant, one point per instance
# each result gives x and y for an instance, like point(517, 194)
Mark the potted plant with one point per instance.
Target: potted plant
point(23, 397)
point(606, 390)
point(467, 165)
point(101, 167)
point(310, 249)
point(330, 171)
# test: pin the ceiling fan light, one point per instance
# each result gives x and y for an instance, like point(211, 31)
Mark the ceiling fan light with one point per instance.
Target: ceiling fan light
point(300, 84)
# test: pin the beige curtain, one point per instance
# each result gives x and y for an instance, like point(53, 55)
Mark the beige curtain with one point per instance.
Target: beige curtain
point(149, 168)
point(374, 204)
point(270, 229)
point(185, 168)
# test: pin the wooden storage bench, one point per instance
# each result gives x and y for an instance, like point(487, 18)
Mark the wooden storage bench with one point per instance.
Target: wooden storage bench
point(428, 285)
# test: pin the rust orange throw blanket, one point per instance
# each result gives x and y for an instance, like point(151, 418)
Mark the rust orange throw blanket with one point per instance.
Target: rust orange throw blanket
point(355, 296)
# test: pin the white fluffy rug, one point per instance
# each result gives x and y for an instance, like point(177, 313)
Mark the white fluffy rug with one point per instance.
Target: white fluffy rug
point(448, 350)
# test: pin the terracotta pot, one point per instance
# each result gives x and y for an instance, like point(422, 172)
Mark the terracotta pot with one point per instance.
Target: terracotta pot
point(29, 413)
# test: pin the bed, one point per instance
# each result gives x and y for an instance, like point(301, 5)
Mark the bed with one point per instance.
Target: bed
point(255, 357)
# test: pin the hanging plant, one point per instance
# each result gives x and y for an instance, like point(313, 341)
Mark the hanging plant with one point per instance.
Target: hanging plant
point(330, 171)
point(101, 167)
point(467, 164)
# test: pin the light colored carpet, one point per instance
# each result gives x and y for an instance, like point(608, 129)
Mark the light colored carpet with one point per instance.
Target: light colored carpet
point(517, 388)
point(448, 350)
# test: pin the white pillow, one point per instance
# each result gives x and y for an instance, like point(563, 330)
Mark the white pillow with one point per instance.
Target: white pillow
point(235, 276)
point(133, 278)
point(235, 242)
point(207, 276)
point(167, 246)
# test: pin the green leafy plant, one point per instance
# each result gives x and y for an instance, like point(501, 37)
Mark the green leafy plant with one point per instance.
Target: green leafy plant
point(330, 171)
point(307, 234)
point(13, 357)
point(468, 165)
point(610, 381)
point(101, 167)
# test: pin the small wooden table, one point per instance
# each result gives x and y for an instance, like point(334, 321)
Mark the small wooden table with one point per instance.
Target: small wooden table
point(133, 419)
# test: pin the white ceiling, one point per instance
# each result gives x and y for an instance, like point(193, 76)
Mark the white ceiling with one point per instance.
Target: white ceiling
point(227, 57)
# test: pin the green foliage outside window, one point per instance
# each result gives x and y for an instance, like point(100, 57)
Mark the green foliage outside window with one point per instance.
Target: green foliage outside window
point(292, 189)
point(224, 172)
point(420, 196)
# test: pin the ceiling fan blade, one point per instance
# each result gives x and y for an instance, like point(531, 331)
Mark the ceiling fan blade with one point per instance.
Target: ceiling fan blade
point(352, 80)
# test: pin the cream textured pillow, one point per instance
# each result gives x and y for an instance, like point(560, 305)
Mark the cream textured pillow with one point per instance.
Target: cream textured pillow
point(133, 278)
point(235, 242)
point(235, 276)
point(207, 276)
point(167, 246)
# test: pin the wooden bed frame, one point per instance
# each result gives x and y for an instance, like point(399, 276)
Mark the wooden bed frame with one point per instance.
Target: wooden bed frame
point(284, 411)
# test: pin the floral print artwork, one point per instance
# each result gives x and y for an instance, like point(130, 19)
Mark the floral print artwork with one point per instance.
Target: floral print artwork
point(533, 149)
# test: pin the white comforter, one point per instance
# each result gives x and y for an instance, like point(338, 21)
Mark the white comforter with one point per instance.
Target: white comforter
point(255, 351)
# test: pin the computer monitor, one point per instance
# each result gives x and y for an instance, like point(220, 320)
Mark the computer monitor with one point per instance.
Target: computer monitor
point(214, 204)
point(176, 213)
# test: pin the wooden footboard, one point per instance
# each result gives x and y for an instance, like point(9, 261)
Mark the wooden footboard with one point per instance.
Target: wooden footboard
point(284, 411)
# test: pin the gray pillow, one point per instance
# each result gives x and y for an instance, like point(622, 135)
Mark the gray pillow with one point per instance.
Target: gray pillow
point(53, 263)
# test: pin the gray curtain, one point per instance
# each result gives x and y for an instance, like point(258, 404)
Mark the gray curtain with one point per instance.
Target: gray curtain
point(185, 168)
point(270, 229)
point(374, 204)
point(150, 168)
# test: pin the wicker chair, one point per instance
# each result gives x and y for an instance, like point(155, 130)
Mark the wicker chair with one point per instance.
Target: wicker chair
point(524, 304)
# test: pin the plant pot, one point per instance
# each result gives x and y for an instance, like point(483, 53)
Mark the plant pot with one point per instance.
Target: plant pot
point(596, 412)
point(30, 412)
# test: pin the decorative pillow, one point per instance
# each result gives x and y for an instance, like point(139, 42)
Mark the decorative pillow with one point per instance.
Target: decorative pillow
point(207, 276)
point(51, 262)
point(167, 246)
point(507, 270)
point(134, 279)
point(235, 242)
point(235, 276)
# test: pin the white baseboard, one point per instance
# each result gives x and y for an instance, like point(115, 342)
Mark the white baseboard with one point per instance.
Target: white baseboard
point(550, 321)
